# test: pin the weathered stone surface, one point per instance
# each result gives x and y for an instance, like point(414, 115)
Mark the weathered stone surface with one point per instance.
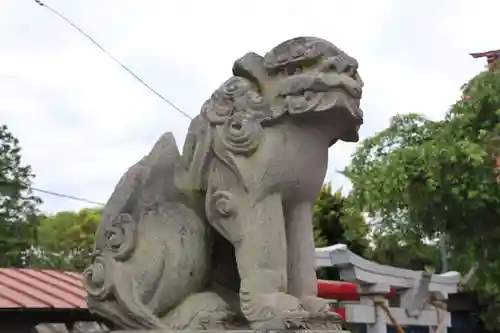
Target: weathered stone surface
point(221, 237)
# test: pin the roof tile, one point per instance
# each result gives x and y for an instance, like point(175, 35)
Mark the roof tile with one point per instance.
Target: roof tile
point(30, 288)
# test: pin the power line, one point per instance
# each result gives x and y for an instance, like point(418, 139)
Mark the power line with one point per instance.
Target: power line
point(39, 2)
point(67, 196)
point(57, 194)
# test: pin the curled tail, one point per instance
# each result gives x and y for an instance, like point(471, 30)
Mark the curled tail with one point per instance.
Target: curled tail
point(141, 269)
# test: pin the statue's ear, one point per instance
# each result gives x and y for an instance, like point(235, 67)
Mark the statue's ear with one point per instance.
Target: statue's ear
point(251, 67)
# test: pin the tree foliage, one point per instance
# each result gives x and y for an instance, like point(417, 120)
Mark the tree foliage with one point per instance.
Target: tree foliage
point(438, 179)
point(18, 206)
point(66, 238)
point(336, 220)
point(406, 250)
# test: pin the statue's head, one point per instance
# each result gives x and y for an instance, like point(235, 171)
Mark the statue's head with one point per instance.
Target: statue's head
point(303, 77)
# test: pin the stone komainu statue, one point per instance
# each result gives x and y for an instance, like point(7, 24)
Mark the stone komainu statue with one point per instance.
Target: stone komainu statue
point(221, 237)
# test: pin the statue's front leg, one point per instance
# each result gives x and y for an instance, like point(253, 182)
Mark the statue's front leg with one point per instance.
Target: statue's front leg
point(300, 250)
point(302, 281)
point(257, 233)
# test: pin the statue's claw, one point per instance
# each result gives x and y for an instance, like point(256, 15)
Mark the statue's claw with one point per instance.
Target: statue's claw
point(315, 305)
point(331, 321)
point(320, 313)
point(276, 311)
point(285, 320)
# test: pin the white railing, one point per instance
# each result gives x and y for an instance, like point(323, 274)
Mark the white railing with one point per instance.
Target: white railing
point(422, 295)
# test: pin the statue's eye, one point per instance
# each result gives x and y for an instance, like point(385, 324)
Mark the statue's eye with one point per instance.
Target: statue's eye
point(332, 67)
point(329, 66)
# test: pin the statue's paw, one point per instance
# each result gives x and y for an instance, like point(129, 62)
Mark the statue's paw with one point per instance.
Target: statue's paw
point(273, 311)
point(321, 315)
point(297, 319)
point(205, 310)
point(330, 321)
point(315, 305)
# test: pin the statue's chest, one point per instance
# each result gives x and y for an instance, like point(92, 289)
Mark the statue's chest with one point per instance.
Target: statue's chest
point(293, 163)
point(305, 168)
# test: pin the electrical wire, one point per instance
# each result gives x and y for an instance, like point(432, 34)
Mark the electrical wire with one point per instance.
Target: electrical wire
point(4, 184)
point(67, 196)
point(39, 2)
point(93, 41)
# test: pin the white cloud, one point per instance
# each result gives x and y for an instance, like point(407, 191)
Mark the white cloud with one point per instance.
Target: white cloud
point(82, 120)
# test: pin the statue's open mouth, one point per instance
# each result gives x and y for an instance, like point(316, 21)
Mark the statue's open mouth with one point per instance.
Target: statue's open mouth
point(322, 92)
point(340, 99)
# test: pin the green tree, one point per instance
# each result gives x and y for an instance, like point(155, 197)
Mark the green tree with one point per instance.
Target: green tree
point(18, 206)
point(438, 180)
point(405, 250)
point(336, 220)
point(66, 238)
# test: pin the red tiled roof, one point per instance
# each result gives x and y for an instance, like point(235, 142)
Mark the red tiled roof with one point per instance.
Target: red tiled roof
point(45, 288)
point(30, 288)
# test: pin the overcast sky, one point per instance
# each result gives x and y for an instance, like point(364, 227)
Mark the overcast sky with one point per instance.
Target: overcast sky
point(82, 120)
